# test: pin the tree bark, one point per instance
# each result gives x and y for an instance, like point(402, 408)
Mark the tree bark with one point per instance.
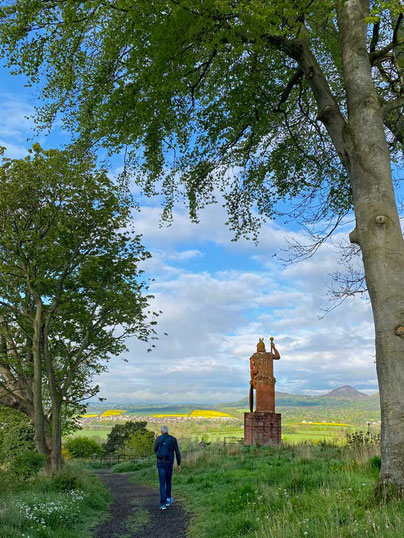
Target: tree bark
point(39, 419)
point(56, 399)
point(56, 438)
point(378, 232)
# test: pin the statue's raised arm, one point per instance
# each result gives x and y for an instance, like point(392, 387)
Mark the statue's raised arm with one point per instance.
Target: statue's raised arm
point(274, 351)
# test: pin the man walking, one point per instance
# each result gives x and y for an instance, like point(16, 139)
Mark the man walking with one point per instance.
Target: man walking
point(164, 447)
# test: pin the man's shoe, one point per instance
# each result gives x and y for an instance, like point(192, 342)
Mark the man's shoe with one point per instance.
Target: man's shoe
point(163, 507)
point(169, 501)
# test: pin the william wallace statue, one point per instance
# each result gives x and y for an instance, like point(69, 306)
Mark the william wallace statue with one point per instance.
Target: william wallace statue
point(262, 377)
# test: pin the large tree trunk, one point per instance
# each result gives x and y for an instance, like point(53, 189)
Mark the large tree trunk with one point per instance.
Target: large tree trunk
point(377, 231)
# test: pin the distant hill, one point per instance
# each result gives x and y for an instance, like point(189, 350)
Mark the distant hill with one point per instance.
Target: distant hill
point(345, 396)
point(346, 392)
point(282, 399)
point(372, 403)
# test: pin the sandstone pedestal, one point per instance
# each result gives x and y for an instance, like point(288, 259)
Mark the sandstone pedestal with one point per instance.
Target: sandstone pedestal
point(262, 428)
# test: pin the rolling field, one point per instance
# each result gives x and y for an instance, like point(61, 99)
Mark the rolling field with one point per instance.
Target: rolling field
point(215, 431)
point(326, 421)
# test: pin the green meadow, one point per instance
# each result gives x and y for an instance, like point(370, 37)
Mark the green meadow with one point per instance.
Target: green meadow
point(321, 491)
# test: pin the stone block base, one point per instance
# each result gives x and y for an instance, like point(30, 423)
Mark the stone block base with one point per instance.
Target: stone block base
point(262, 428)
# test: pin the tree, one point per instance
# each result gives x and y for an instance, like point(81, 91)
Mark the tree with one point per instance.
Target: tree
point(140, 444)
point(265, 101)
point(70, 288)
point(121, 433)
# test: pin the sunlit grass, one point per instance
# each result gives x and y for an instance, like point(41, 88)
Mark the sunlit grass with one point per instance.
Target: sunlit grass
point(43, 508)
point(281, 492)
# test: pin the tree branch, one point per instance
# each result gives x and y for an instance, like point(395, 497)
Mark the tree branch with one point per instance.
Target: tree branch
point(329, 112)
point(397, 28)
point(393, 105)
point(379, 54)
point(375, 37)
point(295, 78)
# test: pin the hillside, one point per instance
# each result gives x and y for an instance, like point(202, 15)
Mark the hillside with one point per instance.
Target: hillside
point(343, 397)
point(346, 392)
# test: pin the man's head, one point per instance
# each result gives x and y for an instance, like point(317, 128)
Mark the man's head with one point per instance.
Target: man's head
point(164, 429)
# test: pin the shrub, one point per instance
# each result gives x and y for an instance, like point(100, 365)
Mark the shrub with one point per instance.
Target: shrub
point(83, 447)
point(18, 439)
point(140, 444)
point(27, 464)
point(67, 479)
point(9, 419)
point(126, 467)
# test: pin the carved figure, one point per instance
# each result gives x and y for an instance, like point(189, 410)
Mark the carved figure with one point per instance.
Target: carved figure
point(262, 377)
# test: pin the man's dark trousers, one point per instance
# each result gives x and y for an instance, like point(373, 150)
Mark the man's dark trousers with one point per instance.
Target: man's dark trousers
point(165, 469)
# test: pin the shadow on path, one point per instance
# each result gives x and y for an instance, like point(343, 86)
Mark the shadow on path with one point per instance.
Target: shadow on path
point(134, 511)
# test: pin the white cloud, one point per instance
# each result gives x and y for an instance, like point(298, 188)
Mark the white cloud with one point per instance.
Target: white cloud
point(14, 151)
point(15, 117)
point(214, 320)
point(214, 317)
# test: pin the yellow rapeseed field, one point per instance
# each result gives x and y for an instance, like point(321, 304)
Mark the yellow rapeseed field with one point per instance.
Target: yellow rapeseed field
point(113, 412)
point(324, 424)
point(88, 416)
point(205, 413)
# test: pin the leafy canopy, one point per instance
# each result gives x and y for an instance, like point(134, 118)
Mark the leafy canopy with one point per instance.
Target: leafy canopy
point(69, 252)
point(207, 95)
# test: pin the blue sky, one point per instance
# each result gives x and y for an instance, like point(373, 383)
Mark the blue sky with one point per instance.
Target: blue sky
point(218, 297)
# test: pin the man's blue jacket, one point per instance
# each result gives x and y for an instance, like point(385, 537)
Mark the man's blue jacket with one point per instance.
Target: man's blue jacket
point(172, 446)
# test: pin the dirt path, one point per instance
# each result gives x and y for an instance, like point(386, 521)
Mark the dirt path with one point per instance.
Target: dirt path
point(134, 511)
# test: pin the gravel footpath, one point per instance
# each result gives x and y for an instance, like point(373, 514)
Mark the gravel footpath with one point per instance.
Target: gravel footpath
point(134, 511)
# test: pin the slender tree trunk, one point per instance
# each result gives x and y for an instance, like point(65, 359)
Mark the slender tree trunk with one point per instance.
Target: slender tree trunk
point(56, 437)
point(56, 399)
point(377, 231)
point(39, 419)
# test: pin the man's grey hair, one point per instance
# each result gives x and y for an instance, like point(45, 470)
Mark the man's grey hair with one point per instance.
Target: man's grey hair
point(164, 429)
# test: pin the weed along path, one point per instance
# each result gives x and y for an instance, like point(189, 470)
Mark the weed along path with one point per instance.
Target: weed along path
point(134, 511)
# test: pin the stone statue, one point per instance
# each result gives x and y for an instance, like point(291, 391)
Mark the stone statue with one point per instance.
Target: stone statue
point(262, 377)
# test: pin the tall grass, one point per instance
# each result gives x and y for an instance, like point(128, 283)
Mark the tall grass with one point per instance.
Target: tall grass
point(66, 506)
point(282, 492)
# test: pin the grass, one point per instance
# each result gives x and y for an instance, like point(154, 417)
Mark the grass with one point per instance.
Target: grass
point(47, 508)
point(280, 492)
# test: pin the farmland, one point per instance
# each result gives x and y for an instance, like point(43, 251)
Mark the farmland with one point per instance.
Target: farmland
point(304, 418)
point(211, 429)
point(215, 432)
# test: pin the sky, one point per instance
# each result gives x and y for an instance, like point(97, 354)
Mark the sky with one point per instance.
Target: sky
point(218, 297)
